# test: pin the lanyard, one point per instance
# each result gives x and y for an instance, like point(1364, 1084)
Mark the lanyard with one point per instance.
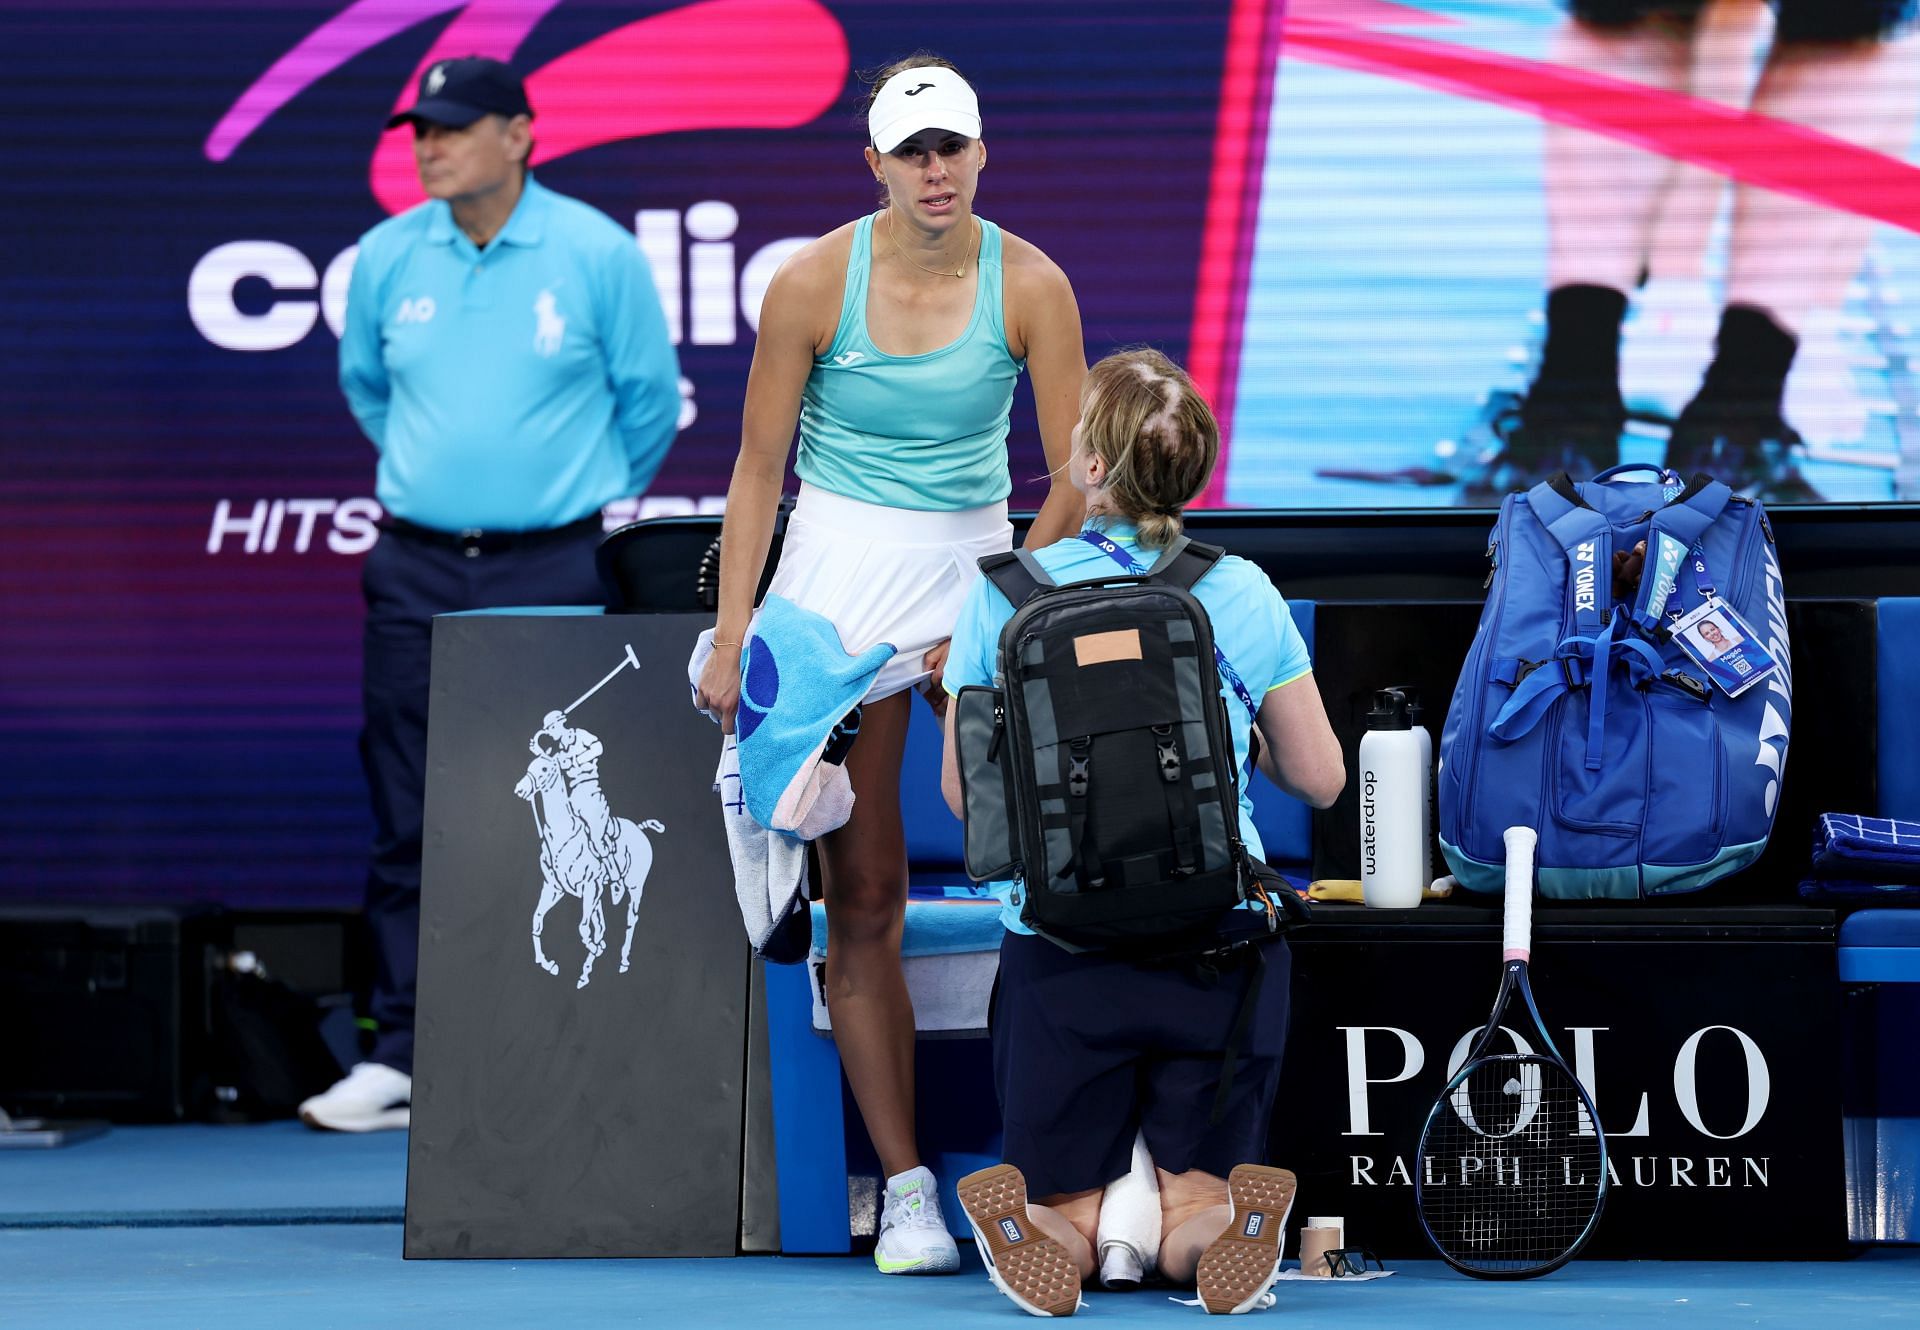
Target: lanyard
point(1671, 488)
point(1134, 566)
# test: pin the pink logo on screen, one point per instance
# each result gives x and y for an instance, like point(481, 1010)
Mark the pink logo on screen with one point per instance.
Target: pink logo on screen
point(718, 64)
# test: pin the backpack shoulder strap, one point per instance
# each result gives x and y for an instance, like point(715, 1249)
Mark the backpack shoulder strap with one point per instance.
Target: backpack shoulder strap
point(1017, 574)
point(1587, 540)
point(1186, 562)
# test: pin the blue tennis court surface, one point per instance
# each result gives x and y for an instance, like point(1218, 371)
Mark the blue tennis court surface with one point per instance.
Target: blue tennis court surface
point(352, 1275)
point(279, 1226)
point(268, 1174)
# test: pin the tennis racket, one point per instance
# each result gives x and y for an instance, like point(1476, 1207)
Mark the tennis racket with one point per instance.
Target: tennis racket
point(1511, 1173)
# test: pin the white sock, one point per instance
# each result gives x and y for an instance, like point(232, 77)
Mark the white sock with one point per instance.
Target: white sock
point(1130, 1217)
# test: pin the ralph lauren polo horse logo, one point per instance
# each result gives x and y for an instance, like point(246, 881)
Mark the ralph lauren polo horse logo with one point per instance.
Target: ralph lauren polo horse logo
point(585, 851)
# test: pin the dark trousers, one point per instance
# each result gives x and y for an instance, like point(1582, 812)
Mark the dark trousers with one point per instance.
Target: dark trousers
point(407, 581)
point(1089, 1049)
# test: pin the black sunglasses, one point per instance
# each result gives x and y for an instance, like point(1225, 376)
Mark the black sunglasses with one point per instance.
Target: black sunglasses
point(1351, 1261)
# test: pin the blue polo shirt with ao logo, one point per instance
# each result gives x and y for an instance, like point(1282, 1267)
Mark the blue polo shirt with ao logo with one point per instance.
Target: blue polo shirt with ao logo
point(513, 388)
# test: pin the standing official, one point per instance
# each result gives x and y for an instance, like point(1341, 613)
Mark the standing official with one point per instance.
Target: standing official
point(506, 352)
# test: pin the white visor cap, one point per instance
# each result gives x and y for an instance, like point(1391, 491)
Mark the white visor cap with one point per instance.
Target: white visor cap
point(929, 97)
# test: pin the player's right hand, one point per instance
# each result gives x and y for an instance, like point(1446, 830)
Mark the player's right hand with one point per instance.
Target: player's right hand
point(719, 688)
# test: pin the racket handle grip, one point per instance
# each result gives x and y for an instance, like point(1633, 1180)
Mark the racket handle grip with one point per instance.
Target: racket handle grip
point(1517, 936)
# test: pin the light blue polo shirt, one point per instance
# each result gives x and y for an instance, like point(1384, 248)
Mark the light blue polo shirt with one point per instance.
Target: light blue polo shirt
point(515, 388)
point(1252, 627)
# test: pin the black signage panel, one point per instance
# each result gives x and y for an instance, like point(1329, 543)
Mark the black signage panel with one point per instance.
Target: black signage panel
point(1708, 1038)
point(583, 973)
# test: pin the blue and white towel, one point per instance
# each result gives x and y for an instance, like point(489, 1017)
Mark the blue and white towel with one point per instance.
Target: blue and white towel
point(769, 872)
point(779, 785)
point(1847, 846)
point(797, 682)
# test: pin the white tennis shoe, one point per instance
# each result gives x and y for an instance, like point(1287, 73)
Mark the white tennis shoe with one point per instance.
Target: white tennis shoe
point(371, 1097)
point(913, 1235)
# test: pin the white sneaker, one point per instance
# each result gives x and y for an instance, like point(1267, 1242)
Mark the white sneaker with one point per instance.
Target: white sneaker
point(913, 1236)
point(371, 1097)
point(1032, 1269)
point(1129, 1232)
point(1238, 1268)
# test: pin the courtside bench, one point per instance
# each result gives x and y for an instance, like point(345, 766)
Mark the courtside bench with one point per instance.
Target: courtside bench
point(952, 934)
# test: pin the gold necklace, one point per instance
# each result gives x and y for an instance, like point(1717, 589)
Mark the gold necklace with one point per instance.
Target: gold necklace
point(961, 271)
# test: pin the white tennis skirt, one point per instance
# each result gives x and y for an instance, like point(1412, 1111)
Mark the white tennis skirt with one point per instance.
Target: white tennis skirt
point(883, 574)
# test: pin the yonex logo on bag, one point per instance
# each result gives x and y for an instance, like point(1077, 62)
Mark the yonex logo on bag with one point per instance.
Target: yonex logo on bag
point(1583, 581)
point(1011, 1231)
point(1671, 553)
point(1255, 1222)
point(1773, 725)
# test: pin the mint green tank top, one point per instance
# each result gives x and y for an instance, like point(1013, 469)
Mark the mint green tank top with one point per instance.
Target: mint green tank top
point(927, 432)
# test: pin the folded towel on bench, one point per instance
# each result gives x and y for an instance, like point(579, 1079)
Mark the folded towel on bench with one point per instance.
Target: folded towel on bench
point(1849, 847)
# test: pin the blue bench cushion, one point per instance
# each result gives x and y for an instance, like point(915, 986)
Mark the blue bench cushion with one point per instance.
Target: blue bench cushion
point(1881, 928)
point(1880, 947)
point(944, 925)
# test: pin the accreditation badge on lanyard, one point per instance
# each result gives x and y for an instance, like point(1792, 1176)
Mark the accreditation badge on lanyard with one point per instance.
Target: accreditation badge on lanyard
point(1724, 644)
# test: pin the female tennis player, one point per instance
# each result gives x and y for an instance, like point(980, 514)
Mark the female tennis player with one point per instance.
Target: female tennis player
point(894, 341)
point(1090, 1048)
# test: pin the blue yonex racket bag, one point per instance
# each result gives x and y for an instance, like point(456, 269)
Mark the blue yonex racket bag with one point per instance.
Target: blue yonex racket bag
point(1636, 716)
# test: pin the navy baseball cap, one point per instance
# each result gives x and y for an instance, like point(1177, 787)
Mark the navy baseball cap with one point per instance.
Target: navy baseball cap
point(458, 92)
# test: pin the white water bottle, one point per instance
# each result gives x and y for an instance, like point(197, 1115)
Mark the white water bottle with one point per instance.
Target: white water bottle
point(1393, 801)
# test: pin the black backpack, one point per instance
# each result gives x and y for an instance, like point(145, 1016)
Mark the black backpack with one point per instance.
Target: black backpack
point(1099, 770)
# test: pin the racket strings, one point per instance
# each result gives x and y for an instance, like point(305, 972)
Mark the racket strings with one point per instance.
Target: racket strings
point(1511, 1168)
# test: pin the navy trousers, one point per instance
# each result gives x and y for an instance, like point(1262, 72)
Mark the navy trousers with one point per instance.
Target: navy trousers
point(406, 581)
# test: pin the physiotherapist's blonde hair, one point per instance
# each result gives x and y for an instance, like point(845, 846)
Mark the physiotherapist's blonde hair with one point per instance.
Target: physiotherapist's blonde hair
point(1142, 416)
